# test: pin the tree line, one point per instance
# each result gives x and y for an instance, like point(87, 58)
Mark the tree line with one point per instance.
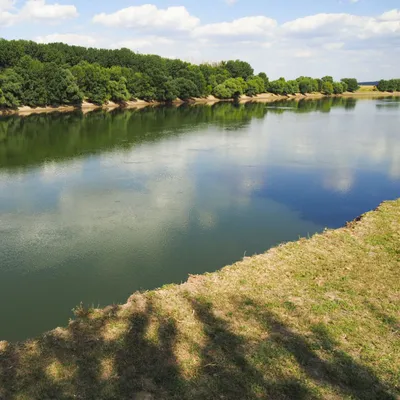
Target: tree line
point(392, 85)
point(35, 75)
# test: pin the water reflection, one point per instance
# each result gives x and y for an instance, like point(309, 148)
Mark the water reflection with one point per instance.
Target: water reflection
point(95, 206)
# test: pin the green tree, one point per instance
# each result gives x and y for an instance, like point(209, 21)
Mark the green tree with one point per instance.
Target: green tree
point(255, 85)
point(265, 78)
point(118, 91)
point(327, 88)
point(232, 88)
point(392, 85)
point(307, 85)
point(382, 85)
point(194, 74)
point(11, 86)
point(327, 79)
point(292, 87)
point(278, 86)
point(164, 87)
point(93, 81)
point(338, 88)
point(140, 87)
point(61, 86)
point(10, 52)
point(185, 88)
point(34, 91)
point(352, 84)
point(222, 92)
point(239, 69)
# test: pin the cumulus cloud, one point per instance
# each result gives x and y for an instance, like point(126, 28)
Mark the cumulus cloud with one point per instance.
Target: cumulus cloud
point(148, 16)
point(344, 26)
point(34, 10)
point(6, 4)
point(6, 17)
point(39, 10)
point(393, 15)
point(69, 38)
point(255, 27)
point(144, 42)
point(149, 43)
point(325, 24)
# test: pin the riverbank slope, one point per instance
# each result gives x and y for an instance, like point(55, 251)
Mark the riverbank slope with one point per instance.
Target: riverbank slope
point(264, 97)
point(313, 319)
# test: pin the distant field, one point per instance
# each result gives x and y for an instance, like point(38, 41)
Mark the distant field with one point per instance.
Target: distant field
point(367, 88)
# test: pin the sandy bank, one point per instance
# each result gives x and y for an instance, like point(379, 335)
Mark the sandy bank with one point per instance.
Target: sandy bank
point(262, 98)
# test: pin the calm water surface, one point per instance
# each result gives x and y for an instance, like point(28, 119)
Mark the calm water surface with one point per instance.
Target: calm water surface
point(96, 206)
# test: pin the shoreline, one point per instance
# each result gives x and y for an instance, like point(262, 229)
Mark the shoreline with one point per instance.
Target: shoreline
point(320, 312)
point(132, 104)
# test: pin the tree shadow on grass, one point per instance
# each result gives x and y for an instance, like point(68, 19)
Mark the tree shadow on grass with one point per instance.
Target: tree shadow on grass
point(70, 363)
point(132, 356)
point(389, 321)
point(148, 365)
point(337, 370)
point(226, 371)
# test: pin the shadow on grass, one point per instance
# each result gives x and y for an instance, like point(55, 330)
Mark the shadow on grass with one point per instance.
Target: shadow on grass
point(72, 365)
point(389, 321)
point(336, 369)
point(138, 361)
point(226, 370)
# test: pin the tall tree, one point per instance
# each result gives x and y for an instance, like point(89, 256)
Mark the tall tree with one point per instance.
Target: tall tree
point(352, 84)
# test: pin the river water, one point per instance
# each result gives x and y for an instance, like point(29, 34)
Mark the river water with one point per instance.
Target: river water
point(94, 207)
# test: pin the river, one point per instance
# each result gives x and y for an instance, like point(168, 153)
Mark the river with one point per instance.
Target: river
point(94, 207)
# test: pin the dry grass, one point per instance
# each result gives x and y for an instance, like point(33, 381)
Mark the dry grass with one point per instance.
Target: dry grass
point(313, 319)
point(367, 88)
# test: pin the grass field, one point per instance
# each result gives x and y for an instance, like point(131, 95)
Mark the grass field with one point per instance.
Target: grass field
point(367, 88)
point(313, 319)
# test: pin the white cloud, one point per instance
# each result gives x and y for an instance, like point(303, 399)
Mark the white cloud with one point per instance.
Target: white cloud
point(148, 16)
point(258, 26)
point(344, 26)
point(333, 45)
point(324, 24)
point(34, 10)
point(144, 42)
point(6, 4)
point(303, 54)
point(69, 38)
point(393, 15)
point(6, 17)
point(231, 2)
point(39, 10)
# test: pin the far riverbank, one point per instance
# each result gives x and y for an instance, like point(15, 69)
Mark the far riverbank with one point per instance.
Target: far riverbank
point(263, 98)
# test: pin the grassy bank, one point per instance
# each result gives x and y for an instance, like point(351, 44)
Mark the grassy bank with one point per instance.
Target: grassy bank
point(313, 319)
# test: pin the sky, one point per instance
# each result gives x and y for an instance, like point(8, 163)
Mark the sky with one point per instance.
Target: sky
point(341, 38)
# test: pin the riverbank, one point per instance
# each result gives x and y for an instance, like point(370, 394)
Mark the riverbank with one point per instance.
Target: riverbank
point(264, 98)
point(312, 319)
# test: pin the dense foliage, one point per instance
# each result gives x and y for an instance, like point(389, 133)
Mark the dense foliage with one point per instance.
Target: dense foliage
point(35, 75)
point(392, 85)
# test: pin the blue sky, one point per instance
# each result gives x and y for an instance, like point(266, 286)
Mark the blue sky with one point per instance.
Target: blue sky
point(283, 38)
